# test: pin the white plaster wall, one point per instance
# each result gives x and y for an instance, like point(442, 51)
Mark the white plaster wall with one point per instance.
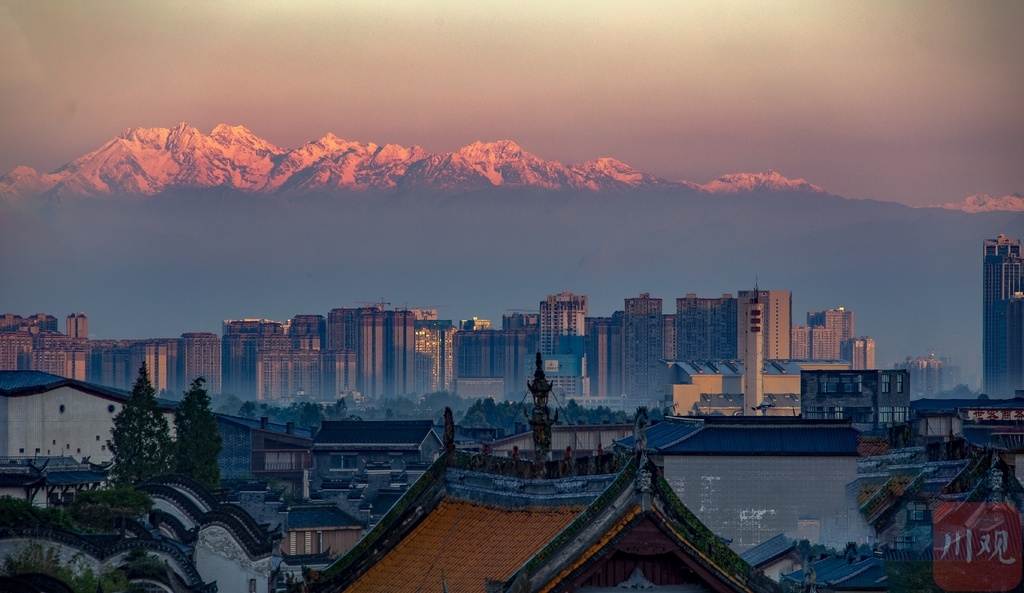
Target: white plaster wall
point(35, 425)
point(219, 557)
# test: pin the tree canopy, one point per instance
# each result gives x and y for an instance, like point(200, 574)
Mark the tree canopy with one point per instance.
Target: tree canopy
point(141, 440)
point(198, 440)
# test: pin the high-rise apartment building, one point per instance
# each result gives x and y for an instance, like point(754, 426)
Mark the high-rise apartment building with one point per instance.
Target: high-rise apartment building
point(860, 352)
point(162, 362)
point(561, 314)
point(308, 332)
point(800, 342)
point(434, 356)
point(15, 351)
point(1001, 278)
point(706, 328)
point(778, 321)
point(827, 330)
point(242, 341)
point(495, 359)
point(77, 326)
point(839, 320)
point(642, 335)
point(604, 355)
point(33, 324)
point(341, 334)
point(110, 363)
point(59, 354)
point(668, 337)
point(201, 357)
point(925, 375)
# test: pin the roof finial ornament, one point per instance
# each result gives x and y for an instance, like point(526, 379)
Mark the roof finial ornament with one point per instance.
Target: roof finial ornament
point(449, 431)
point(541, 420)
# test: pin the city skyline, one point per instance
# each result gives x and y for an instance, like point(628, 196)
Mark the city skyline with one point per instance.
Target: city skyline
point(907, 102)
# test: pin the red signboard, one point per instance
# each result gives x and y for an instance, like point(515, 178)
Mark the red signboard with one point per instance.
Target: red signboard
point(976, 546)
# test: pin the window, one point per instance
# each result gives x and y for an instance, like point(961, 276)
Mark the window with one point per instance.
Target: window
point(97, 437)
point(252, 585)
point(61, 408)
point(885, 382)
point(343, 462)
point(917, 511)
point(111, 408)
point(899, 383)
point(903, 542)
point(21, 450)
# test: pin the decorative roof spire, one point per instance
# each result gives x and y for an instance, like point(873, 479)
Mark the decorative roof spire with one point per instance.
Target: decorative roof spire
point(541, 420)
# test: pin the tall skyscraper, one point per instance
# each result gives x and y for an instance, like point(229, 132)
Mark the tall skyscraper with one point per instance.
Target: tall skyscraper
point(77, 326)
point(925, 375)
point(642, 335)
point(706, 328)
point(201, 357)
point(778, 322)
point(753, 315)
point(1001, 279)
point(668, 337)
point(604, 355)
point(162, 362)
point(241, 345)
point(561, 314)
point(827, 330)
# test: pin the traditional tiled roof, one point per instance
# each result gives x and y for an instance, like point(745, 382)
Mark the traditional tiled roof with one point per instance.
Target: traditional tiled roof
point(952, 405)
point(664, 434)
point(450, 538)
point(321, 515)
point(767, 436)
point(872, 445)
point(22, 383)
point(388, 432)
point(768, 550)
point(272, 426)
point(480, 517)
point(837, 574)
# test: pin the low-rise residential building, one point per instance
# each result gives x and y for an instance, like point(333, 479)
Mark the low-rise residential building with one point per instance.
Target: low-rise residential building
point(872, 399)
point(342, 448)
point(264, 450)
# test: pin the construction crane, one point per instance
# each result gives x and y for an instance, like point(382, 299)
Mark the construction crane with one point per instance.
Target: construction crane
point(380, 304)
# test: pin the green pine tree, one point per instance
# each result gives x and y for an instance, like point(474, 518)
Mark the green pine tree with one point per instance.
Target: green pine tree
point(141, 439)
point(199, 442)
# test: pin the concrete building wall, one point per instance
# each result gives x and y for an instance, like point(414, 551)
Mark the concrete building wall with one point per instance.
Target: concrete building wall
point(219, 557)
point(64, 421)
point(750, 499)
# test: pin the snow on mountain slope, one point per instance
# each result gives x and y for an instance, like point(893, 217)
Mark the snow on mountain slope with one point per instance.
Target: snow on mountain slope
point(986, 203)
point(148, 161)
point(765, 180)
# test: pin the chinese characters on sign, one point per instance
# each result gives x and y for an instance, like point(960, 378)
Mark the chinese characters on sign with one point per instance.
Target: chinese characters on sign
point(976, 546)
point(994, 414)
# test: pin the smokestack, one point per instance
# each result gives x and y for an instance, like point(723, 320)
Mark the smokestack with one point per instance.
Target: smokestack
point(753, 355)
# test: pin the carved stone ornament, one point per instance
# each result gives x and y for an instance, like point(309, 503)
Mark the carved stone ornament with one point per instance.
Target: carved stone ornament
point(636, 580)
point(643, 475)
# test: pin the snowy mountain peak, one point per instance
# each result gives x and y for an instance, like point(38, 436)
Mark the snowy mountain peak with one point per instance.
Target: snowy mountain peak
point(765, 180)
point(986, 203)
point(148, 161)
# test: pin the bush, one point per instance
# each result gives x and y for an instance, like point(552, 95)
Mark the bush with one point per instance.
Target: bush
point(99, 510)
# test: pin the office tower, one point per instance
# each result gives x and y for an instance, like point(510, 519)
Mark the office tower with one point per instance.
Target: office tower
point(775, 329)
point(561, 314)
point(201, 357)
point(1001, 278)
point(668, 337)
point(604, 355)
point(1014, 344)
point(706, 328)
point(434, 356)
point(925, 375)
point(308, 332)
point(754, 315)
point(642, 335)
point(15, 351)
point(77, 326)
point(860, 352)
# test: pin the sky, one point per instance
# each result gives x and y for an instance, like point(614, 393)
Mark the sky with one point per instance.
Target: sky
point(912, 102)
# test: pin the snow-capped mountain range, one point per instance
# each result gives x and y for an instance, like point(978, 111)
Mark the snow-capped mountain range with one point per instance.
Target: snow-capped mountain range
point(986, 203)
point(148, 161)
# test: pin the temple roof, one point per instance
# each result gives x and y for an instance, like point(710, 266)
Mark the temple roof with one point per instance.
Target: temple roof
point(450, 539)
point(488, 522)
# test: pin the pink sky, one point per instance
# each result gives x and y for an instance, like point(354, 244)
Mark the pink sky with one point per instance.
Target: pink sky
point(919, 103)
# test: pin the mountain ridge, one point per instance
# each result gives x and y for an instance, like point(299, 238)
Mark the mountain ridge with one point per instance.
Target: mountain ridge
point(149, 161)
